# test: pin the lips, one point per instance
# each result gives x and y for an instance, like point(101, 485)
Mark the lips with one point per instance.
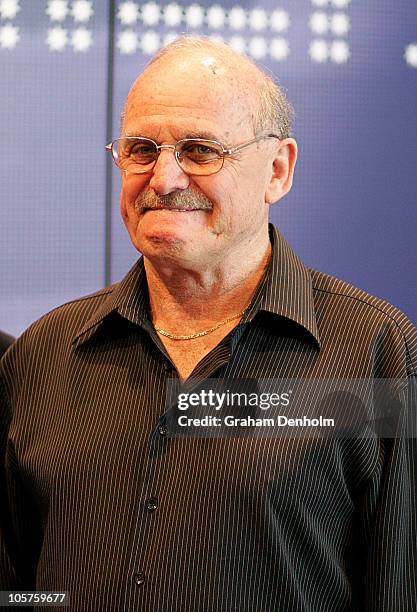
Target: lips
point(172, 209)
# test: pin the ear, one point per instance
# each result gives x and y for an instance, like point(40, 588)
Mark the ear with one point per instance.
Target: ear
point(282, 170)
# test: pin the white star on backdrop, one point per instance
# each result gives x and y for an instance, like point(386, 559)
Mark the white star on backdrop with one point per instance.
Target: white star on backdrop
point(81, 39)
point(127, 42)
point(258, 19)
point(150, 13)
point(318, 51)
point(150, 43)
point(340, 24)
point(172, 14)
point(9, 36)
point(216, 38)
point(279, 49)
point(340, 3)
point(194, 16)
point(237, 18)
point(215, 16)
point(9, 9)
point(82, 10)
point(238, 43)
point(257, 47)
point(319, 23)
point(280, 20)
point(128, 13)
point(57, 39)
point(170, 37)
point(339, 51)
point(410, 55)
point(319, 2)
point(57, 10)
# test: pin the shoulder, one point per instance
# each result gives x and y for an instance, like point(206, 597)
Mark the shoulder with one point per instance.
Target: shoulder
point(5, 341)
point(49, 336)
point(69, 317)
point(341, 304)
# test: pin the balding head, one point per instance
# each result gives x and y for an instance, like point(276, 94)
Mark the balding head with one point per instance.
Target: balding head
point(224, 72)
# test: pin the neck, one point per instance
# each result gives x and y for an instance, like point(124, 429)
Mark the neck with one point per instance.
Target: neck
point(185, 300)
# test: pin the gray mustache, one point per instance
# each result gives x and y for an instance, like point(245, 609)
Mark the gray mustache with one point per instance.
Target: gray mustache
point(182, 200)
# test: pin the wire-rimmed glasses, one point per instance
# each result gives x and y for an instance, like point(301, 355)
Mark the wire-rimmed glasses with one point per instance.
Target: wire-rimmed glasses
point(195, 156)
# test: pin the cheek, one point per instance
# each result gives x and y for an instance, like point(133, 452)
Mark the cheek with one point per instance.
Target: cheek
point(131, 187)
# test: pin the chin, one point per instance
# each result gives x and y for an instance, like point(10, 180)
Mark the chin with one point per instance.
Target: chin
point(162, 243)
point(166, 230)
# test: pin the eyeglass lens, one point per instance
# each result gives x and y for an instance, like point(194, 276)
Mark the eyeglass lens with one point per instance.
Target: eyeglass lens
point(195, 156)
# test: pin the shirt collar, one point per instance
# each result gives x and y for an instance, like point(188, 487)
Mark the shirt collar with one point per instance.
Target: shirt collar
point(129, 298)
point(286, 291)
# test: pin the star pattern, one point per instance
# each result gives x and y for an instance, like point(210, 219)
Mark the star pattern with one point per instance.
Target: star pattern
point(216, 16)
point(57, 10)
point(172, 14)
point(82, 10)
point(194, 16)
point(340, 24)
point(237, 18)
point(81, 39)
point(257, 47)
point(9, 36)
point(319, 23)
point(318, 51)
point(410, 55)
point(238, 43)
point(340, 3)
point(258, 19)
point(9, 9)
point(127, 42)
point(128, 13)
point(170, 37)
point(150, 42)
point(324, 25)
point(339, 51)
point(280, 20)
point(279, 49)
point(150, 13)
point(57, 38)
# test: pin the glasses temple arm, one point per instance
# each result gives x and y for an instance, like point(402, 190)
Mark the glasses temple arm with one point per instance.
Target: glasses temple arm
point(246, 144)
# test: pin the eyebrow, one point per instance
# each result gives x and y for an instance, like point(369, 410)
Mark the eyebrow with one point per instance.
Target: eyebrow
point(205, 135)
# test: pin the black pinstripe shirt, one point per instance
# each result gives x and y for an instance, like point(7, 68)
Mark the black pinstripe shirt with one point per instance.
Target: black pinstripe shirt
point(99, 500)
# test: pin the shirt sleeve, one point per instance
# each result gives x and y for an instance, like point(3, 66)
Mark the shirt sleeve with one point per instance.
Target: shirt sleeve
point(390, 521)
point(16, 535)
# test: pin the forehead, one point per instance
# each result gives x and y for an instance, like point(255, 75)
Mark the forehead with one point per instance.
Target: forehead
point(195, 95)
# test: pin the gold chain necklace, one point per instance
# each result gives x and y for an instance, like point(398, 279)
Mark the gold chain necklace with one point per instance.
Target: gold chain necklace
point(163, 332)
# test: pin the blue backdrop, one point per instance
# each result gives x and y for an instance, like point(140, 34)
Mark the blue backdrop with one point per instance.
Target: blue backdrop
point(350, 69)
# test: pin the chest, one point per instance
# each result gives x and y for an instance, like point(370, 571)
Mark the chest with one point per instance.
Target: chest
point(187, 354)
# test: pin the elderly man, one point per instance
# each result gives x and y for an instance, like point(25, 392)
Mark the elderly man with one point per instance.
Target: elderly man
point(101, 499)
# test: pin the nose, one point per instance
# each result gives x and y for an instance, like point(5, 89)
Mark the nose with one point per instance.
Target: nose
point(167, 176)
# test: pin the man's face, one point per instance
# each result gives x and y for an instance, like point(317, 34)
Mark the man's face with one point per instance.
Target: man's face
point(194, 221)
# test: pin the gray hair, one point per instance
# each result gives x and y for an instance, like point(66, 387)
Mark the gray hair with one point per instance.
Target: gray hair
point(274, 113)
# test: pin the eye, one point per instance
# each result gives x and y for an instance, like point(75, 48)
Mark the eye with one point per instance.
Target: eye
point(141, 152)
point(200, 152)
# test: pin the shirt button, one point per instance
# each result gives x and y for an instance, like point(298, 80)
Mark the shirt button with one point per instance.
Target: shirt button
point(162, 430)
point(151, 503)
point(139, 578)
